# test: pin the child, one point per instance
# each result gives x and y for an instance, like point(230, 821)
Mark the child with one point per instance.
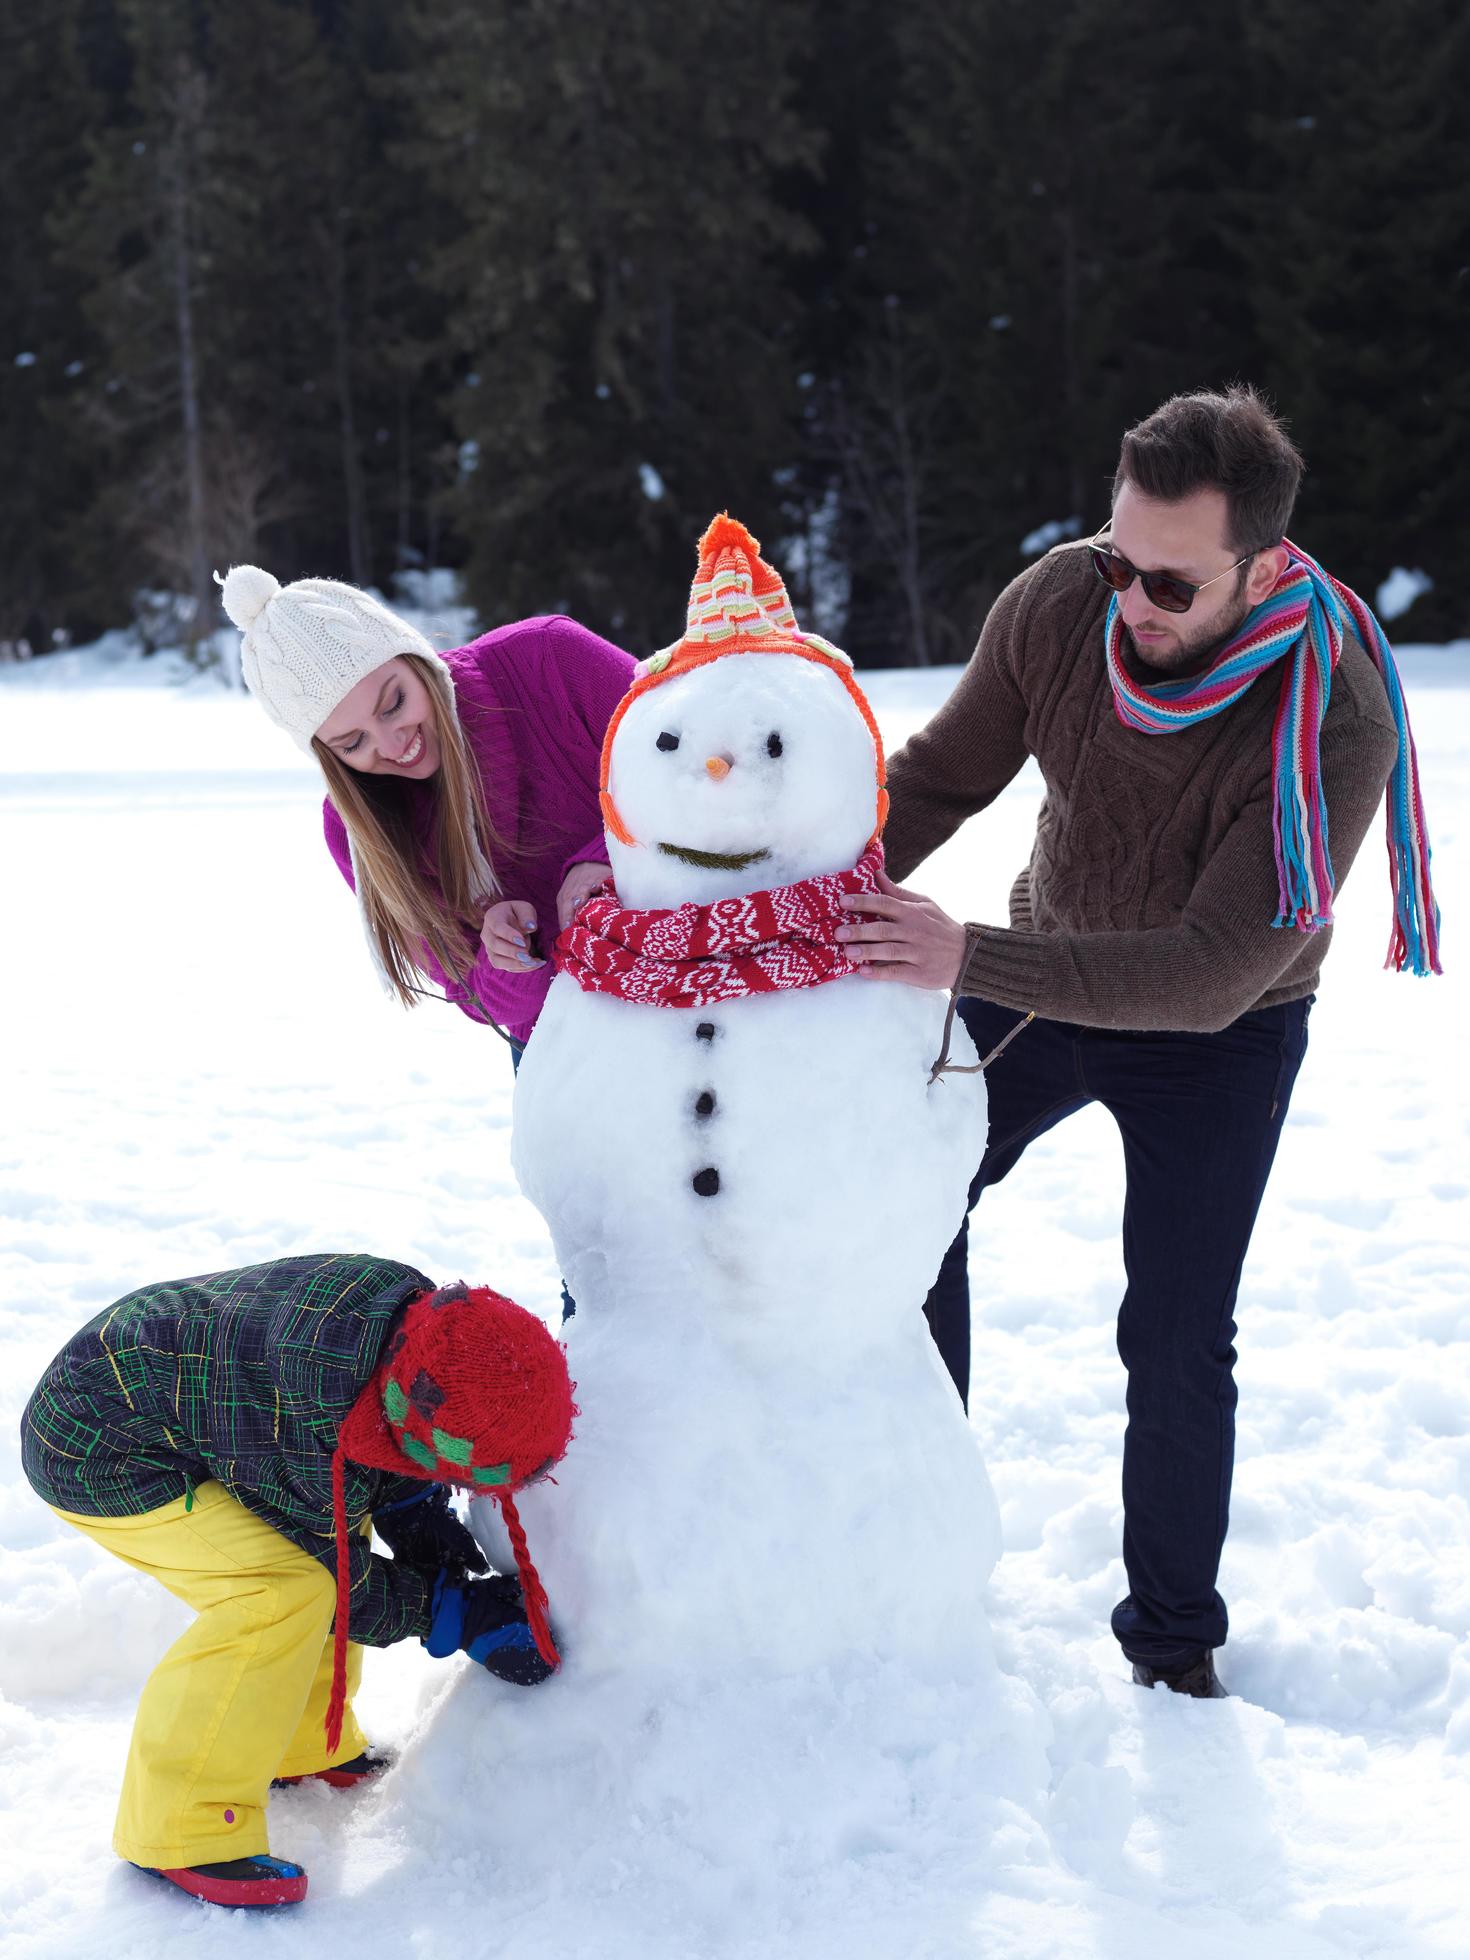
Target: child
point(234, 1436)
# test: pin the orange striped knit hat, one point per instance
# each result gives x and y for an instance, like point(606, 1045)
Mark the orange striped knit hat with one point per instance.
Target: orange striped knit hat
point(737, 604)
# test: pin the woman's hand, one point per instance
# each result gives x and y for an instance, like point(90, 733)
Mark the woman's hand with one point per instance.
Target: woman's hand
point(903, 936)
point(576, 888)
point(506, 935)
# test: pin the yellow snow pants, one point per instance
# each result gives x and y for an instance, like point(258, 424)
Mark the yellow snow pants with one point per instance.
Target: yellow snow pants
point(241, 1696)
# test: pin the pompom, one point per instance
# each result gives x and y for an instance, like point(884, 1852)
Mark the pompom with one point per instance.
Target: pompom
point(246, 592)
point(727, 533)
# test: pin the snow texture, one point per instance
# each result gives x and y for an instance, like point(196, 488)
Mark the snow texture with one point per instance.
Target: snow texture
point(200, 1071)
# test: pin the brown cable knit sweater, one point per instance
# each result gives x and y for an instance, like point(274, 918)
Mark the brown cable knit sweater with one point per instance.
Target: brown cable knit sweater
point(1152, 885)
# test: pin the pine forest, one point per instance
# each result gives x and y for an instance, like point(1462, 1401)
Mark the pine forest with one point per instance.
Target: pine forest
point(531, 290)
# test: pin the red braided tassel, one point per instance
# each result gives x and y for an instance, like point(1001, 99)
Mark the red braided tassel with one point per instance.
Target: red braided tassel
point(337, 1705)
point(537, 1609)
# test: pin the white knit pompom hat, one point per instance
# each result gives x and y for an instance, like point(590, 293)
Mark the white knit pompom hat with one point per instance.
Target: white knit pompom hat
point(305, 646)
point(303, 649)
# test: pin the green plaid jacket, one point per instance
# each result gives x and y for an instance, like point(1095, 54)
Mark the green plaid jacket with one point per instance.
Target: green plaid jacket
point(244, 1378)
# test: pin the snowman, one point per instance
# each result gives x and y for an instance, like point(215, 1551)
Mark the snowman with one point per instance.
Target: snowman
point(750, 1181)
point(766, 1551)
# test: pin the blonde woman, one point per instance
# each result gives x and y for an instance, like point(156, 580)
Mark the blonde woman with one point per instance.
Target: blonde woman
point(461, 787)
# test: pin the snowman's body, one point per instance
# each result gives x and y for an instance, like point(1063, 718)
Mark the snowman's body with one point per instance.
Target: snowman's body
point(749, 1201)
point(778, 1716)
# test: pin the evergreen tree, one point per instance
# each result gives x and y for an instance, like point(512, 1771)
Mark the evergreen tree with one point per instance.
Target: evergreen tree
point(139, 238)
point(1052, 238)
point(52, 576)
point(326, 338)
point(286, 318)
point(404, 348)
point(535, 289)
point(1356, 236)
point(613, 283)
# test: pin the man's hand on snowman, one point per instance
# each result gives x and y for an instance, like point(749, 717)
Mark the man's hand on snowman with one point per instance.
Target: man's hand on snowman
point(486, 1619)
point(576, 888)
point(508, 936)
point(901, 935)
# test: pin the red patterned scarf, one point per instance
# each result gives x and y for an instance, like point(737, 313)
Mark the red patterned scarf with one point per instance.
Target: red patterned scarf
point(699, 954)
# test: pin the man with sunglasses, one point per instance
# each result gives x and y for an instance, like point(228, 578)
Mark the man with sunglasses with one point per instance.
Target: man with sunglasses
point(1170, 927)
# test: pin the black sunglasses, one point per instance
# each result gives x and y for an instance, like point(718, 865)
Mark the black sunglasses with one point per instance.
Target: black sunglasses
point(1162, 589)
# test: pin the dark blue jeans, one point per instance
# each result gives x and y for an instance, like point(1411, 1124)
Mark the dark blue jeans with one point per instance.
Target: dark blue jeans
point(1201, 1115)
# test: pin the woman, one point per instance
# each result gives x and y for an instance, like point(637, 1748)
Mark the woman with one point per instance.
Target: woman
point(233, 1436)
point(462, 788)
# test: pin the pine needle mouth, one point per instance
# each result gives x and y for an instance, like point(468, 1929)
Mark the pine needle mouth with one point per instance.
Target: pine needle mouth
point(713, 860)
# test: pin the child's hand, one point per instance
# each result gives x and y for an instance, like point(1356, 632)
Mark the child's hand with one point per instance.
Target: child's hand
point(486, 1619)
point(424, 1532)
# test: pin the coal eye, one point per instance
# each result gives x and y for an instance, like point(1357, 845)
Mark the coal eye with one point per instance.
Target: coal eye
point(773, 743)
point(668, 742)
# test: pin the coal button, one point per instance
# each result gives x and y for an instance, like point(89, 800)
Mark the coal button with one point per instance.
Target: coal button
point(707, 1182)
point(705, 1031)
point(706, 1104)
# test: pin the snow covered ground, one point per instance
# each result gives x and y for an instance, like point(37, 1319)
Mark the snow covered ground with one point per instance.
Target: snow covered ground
point(199, 1071)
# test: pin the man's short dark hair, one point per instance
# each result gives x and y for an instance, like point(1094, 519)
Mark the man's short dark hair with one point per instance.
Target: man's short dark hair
point(1225, 440)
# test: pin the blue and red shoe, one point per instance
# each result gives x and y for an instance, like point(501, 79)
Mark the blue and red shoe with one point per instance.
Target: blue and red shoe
point(258, 1881)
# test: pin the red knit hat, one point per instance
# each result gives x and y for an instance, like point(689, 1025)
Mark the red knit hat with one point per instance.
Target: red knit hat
point(471, 1390)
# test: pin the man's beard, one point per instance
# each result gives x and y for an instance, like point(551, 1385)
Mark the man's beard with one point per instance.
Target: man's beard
point(1192, 655)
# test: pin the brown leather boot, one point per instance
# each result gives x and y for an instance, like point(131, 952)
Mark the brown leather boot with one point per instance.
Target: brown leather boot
point(1196, 1677)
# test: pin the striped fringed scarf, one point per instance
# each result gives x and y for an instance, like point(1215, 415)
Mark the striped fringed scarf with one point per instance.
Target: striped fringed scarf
point(1303, 617)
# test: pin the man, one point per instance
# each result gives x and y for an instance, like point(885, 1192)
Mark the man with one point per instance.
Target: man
point(1170, 928)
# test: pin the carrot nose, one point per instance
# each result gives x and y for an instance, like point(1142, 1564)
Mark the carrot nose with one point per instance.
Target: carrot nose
point(718, 766)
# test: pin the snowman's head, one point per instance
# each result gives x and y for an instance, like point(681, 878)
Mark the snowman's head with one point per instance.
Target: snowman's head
point(743, 758)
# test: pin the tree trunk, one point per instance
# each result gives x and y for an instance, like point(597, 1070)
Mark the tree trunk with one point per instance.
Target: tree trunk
point(405, 480)
point(1071, 371)
point(359, 557)
point(182, 167)
point(911, 569)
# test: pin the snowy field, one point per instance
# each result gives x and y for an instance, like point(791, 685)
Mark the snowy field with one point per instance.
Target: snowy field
point(200, 1072)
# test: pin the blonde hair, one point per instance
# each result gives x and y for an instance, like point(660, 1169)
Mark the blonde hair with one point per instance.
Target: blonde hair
point(405, 915)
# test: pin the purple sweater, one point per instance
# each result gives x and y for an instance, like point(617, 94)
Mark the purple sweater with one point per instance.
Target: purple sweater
point(535, 699)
